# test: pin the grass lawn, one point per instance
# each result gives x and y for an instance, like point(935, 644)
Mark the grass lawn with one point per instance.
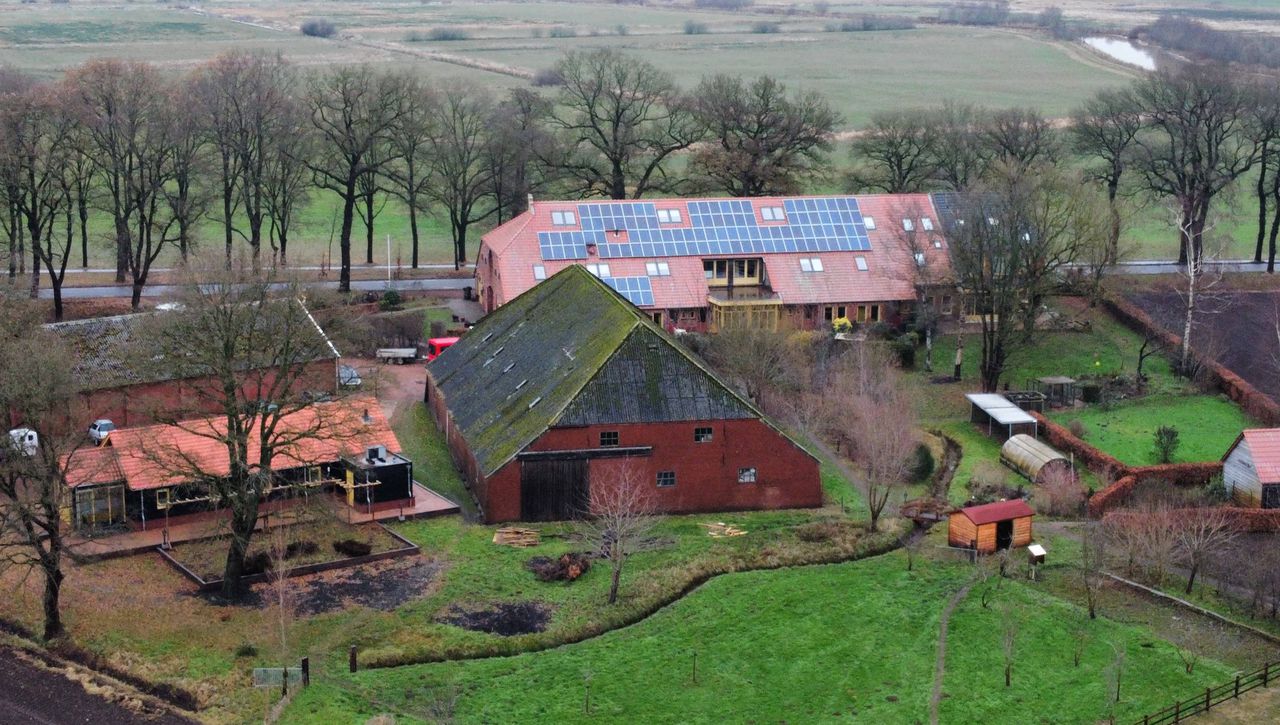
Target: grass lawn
point(798, 645)
point(1206, 425)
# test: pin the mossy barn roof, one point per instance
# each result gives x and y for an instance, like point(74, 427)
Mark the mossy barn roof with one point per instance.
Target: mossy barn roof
point(571, 352)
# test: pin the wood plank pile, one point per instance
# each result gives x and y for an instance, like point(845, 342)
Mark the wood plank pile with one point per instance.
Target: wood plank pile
point(516, 536)
point(719, 530)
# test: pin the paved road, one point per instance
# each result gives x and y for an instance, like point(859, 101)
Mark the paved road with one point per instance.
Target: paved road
point(1153, 266)
point(166, 290)
point(35, 695)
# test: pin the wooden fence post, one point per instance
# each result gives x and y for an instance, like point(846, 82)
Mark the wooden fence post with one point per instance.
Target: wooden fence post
point(1237, 686)
point(1265, 672)
point(1177, 711)
point(351, 658)
point(1207, 690)
point(306, 672)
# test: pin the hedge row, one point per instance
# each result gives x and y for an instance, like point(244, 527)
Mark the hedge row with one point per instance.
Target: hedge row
point(1248, 520)
point(1257, 404)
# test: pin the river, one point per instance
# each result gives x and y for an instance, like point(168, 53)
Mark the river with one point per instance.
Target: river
point(1123, 50)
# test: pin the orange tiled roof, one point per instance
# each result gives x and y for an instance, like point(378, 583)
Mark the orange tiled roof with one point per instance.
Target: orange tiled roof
point(155, 456)
point(1264, 447)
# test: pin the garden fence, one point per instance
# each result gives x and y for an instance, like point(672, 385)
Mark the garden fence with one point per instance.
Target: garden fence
point(1179, 711)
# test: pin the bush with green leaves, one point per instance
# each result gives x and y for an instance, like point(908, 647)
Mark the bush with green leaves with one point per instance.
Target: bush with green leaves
point(1166, 443)
point(318, 28)
point(391, 300)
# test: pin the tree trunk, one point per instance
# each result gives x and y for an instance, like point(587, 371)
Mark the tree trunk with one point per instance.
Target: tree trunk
point(344, 241)
point(135, 299)
point(1191, 580)
point(124, 249)
point(1184, 357)
point(1113, 243)
point(368, 228)
point(618, 183)
point(83, 211)
point(243, 519)
point(459, 245)
point(1262, 203)
point(928, 349)
point(35, 266)
point(615, 581)
point(53, 576)
point(1275, 224)
point(413, 227)
point(1008, 675)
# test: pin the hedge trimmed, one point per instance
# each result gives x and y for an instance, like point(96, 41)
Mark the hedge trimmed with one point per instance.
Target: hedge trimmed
point(1249, 520)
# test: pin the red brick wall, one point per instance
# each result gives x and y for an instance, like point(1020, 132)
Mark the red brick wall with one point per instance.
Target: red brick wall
point(135, 405)
point(706, 473)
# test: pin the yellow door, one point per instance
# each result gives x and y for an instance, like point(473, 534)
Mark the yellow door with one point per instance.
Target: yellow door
point(351, 488)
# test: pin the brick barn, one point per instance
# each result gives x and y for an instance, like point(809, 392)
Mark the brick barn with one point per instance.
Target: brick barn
point(570, 386)
point(121, 379)
point(711, 264)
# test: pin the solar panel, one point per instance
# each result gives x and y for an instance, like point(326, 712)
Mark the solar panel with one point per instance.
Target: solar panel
point(828, 224)
point(637, 290)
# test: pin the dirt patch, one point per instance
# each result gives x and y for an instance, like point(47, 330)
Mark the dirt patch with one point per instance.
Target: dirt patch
point(383, 586)
point(505, 619)
point(1236, 328)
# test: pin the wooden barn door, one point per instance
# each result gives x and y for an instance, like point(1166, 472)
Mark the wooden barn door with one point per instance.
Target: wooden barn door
point(553, 490)
point(1004, 534)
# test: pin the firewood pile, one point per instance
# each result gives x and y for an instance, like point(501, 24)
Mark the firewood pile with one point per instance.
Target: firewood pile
point(516, 536)
point(720, 530)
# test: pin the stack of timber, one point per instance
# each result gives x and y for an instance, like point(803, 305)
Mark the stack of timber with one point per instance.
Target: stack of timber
point(516, 536)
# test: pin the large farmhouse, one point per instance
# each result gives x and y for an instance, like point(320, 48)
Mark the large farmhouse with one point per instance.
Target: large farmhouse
point(157, 474)
point(1251, 468)
point(569, 386)
point(122, 378)
point(710, 264)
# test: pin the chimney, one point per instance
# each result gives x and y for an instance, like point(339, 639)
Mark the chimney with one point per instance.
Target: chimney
point(366, 417)
point(530, 203)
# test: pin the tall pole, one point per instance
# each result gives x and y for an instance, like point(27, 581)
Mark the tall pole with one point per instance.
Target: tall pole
point(388, 261)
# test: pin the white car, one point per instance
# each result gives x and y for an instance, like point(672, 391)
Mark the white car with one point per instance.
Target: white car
point(349, 377)
point(100, 429)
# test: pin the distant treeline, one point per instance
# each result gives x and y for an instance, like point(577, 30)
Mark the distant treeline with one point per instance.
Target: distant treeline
point(1194, 37)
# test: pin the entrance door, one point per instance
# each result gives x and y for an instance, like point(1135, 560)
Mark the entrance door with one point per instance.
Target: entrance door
point(1004, 534)
point(1271, 497)
point(553, 490)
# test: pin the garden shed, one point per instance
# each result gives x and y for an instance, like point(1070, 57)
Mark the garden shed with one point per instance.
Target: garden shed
point(991, 527)
point(997, 414)
point(1251, 468)
point(1032, 458)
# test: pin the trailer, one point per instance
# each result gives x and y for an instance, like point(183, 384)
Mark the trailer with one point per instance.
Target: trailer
point(398, 355)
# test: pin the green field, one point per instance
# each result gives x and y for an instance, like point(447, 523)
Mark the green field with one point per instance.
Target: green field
point(798, 645)
point(1206, 425)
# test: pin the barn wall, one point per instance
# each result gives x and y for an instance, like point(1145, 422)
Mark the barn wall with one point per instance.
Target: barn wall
point(135, 405)
point(1241, 477)
point(987, 538)
point(961, 531)
point(706, 473)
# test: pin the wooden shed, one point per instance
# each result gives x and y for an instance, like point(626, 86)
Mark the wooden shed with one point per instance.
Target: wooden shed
point(1251, 468)
point(991, 527)
point(1032, 458)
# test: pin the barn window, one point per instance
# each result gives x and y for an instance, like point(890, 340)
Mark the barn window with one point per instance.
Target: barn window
point(747, 475)
point(608, 438)
point(162, 499)
point(666, 479)
point(702, 435)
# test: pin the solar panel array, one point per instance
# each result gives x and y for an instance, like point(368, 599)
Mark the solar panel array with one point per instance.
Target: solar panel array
point(831, 224)
point(637, 290)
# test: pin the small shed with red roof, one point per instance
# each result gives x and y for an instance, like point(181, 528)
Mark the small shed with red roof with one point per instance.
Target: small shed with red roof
point(991, 527)
point(1251, 468)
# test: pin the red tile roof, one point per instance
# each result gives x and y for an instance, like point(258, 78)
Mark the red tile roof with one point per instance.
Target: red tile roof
point(155, 456)
point(999, 511)
point(92, 466)
point(889, 276)
point(1264, 447)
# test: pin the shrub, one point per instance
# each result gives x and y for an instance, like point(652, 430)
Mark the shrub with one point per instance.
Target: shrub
point(561, 31)
point(1215, 491)
point(841, 325)
point(1059, 493)
point(391, 300)
point(1078, 429)
point(693, 27)
point(445, 34)
point(922, 464)
point(351, 547)
point(256, 563)
point(548, 77)
point(817, 532)
point(1166, 443)
point(904, 346)
point(246, 650)
point(765, 27)
point(318, 28)
point(300, 548)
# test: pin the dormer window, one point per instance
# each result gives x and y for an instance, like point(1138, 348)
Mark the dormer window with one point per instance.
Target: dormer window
point(870, 222)
point(926, 223)
point(773, 214)
point(563, 218)
point(669, 216)
point(861, 263)
point(908, 225)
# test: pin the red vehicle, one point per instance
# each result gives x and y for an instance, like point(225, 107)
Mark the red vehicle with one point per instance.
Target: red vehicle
point(437, 345)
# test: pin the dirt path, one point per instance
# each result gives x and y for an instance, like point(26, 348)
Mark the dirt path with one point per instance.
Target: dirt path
point(940, 666)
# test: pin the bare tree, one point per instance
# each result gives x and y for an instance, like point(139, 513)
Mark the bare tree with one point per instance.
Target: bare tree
point(1009, 241)
point(879, 423)
point(353, 109)
point(960, 155)
point(1021, 139)
point(460, 173)
point(1008, 640)
point(36, 392)
point(760, 139)
point(1105, 129)
point(896, 152)
point(621, 513)
point(1195, 289)
point(286, 178)
point(256, 348)
point(410, 141)
point(619, 120)
point(1093, 556)
point(1193, 145)
point(518, 139)
point(1263, 128)
point(1201, 533)
point(1080, 635)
